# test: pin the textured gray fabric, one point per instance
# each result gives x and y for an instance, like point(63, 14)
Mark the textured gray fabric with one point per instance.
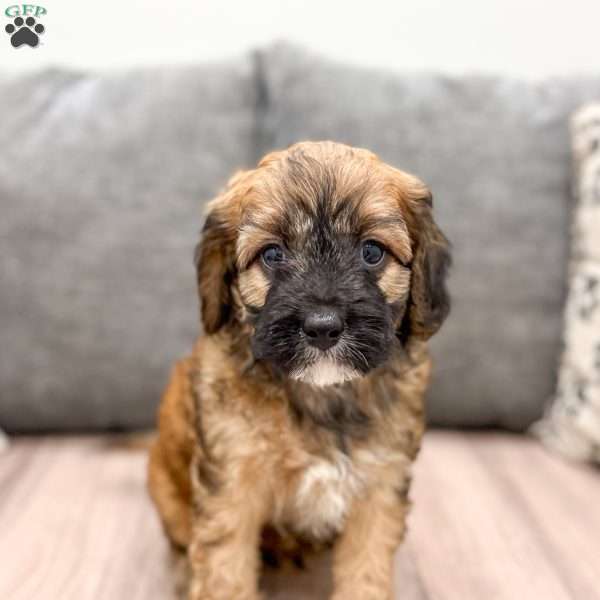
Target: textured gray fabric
point(102, 178)
point(496, 155)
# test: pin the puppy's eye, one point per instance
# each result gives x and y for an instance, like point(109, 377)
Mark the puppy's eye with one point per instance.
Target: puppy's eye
point(273, 256)
point(372, 253)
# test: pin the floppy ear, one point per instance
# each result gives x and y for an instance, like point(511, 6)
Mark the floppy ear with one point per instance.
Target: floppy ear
point(429, 303)
point(215, 259)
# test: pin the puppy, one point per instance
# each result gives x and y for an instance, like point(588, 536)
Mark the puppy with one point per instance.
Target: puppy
point(321, 275)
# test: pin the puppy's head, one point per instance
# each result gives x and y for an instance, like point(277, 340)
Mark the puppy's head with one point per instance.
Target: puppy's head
point(330, 255)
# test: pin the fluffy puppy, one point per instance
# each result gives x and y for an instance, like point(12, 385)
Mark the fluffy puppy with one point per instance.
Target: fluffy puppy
point(321, 275)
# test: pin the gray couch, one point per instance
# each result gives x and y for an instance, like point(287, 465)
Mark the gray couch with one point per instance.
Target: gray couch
point(102, 182)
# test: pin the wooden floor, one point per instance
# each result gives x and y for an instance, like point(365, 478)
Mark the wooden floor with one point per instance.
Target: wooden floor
point(495, 518)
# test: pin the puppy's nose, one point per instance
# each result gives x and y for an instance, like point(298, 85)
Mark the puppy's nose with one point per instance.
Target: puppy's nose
point(323, 328)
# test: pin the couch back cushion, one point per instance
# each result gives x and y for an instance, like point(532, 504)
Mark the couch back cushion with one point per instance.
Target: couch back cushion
point(102, 181)
point(495, 153)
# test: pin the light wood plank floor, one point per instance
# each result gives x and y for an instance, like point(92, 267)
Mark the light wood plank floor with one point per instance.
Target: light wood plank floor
point(495, 518)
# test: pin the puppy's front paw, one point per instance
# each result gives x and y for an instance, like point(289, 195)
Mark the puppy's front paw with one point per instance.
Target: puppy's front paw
point(360, 593)
point(199, 592)
point(204, 596)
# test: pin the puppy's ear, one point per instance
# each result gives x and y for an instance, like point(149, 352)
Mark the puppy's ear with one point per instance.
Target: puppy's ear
point(429, 303)
point(215, 259)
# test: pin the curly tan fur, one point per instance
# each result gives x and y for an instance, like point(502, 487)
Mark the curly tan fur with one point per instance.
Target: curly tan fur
point(247, 457)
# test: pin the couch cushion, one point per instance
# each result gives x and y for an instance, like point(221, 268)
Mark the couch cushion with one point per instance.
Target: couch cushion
point(496, 155)
point(102, 178)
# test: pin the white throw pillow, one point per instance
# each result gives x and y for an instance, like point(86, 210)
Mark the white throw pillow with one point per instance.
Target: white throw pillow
point(571, 424)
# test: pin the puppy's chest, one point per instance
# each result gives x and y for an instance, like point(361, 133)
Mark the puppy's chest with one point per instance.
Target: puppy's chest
point(323, 493)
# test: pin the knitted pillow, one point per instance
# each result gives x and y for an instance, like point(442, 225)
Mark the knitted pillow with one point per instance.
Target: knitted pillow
point(572, 422)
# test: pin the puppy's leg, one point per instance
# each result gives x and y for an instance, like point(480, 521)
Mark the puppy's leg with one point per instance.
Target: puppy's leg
point(364, 553)
point(171, 502)
point(179, 573)
point(224, 552)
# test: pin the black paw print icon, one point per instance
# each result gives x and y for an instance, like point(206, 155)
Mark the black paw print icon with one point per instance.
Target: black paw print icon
point(24, 32)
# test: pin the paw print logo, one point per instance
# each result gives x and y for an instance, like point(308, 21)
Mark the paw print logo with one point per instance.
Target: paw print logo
point(24, 31)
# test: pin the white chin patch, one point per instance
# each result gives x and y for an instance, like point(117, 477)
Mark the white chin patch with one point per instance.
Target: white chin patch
point(325, 371)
